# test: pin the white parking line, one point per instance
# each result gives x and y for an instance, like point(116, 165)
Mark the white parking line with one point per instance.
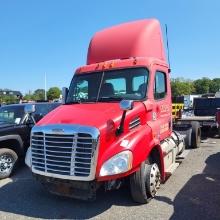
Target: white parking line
point(5, 181)
point(11, 180)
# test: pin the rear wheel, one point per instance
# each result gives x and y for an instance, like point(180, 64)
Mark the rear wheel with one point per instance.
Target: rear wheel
point(145, 182)
point(8, 159)
point(196, 135)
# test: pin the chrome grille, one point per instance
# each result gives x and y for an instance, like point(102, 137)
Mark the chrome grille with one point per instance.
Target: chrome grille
point(134, 123)
point(70, 155)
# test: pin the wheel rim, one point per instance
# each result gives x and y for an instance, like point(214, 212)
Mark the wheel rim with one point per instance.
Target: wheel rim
point(154, 180)
point(6, 163)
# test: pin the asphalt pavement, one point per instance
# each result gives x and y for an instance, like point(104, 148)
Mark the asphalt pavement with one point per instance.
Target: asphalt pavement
point(192, 192)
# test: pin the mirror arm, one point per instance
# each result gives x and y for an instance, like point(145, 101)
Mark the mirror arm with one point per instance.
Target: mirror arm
point(125, 106)
point(120, 129)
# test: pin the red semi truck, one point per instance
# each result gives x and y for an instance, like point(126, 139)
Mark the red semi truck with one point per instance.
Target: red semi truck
point(115, 123)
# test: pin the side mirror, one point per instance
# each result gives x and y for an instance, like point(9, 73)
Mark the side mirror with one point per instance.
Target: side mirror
point(28, 109)
point(126, 105)
point(64, 94)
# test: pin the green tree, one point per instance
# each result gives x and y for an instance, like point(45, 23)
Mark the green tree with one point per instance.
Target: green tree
point(9, 99)
point(180, 86)
point(215, 85)
point(28, 97)
point(39, 94)
point(53, 93)
point(202, 85)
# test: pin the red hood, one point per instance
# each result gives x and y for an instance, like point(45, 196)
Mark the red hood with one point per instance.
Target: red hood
point(84, 114)
point(99, 115)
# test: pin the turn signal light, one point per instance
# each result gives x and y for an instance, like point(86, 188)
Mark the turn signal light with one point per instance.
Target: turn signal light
point(111, 65)
point(104, 66)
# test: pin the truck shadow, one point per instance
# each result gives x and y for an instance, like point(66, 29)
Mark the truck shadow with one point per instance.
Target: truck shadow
point(24, 196)
point(200, 197)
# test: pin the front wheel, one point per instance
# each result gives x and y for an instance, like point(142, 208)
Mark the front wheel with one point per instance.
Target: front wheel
point(8, 159)
point(145, 182)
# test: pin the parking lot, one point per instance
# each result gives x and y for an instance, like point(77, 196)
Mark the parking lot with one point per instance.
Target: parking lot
point(192, 192)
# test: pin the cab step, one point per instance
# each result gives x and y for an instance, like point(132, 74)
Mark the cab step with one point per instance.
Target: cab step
point(171, 169)
point(179, 160)
point(183, 155)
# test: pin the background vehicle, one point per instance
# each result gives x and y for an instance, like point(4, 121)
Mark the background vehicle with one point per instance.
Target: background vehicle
point(15, 127)
point(205, 113)
point(189, 101)
point(116, 121)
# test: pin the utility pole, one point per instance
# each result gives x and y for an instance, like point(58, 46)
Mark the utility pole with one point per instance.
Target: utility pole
point(45, 86)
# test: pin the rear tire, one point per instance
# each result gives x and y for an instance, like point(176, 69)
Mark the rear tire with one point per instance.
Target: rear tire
point(8, 159)
point(145, 182)
point(196, 135)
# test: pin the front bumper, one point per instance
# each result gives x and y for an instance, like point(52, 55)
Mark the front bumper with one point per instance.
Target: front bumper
point(75, 189)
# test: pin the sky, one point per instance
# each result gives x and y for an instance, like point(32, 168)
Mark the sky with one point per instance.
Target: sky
point(51, 37)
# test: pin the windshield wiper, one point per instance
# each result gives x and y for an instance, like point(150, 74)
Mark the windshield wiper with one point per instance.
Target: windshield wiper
point(80, 102)
point(74, 102)
point(110, 98)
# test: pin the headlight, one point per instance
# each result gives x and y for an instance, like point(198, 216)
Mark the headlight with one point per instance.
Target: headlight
point(119, 163)
point(28, 157)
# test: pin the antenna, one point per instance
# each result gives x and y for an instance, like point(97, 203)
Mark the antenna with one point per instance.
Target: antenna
point(45, 86)
point(168, 49)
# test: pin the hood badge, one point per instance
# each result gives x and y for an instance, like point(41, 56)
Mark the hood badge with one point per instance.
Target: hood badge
point(58, 131)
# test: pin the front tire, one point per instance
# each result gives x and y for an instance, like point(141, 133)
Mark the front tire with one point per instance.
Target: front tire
point(145, 182)
point(8, 159)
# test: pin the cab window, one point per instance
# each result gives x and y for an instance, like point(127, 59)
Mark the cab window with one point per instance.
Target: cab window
point(160, 89)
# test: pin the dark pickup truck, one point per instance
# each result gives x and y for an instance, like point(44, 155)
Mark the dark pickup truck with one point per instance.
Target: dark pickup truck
point(15, 127)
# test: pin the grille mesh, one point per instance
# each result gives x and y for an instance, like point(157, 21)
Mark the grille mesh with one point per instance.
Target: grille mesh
point(63, 154)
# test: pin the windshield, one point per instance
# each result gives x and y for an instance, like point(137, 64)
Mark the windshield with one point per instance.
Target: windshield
point(11, 114)
point(112, 85)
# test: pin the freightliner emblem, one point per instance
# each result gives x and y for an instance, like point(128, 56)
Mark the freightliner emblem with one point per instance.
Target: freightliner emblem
point(58, 130)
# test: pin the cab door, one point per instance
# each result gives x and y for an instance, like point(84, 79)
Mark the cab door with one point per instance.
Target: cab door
point(161, 113)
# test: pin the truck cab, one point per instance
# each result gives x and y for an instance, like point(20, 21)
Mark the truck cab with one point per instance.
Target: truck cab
point(115, 123)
